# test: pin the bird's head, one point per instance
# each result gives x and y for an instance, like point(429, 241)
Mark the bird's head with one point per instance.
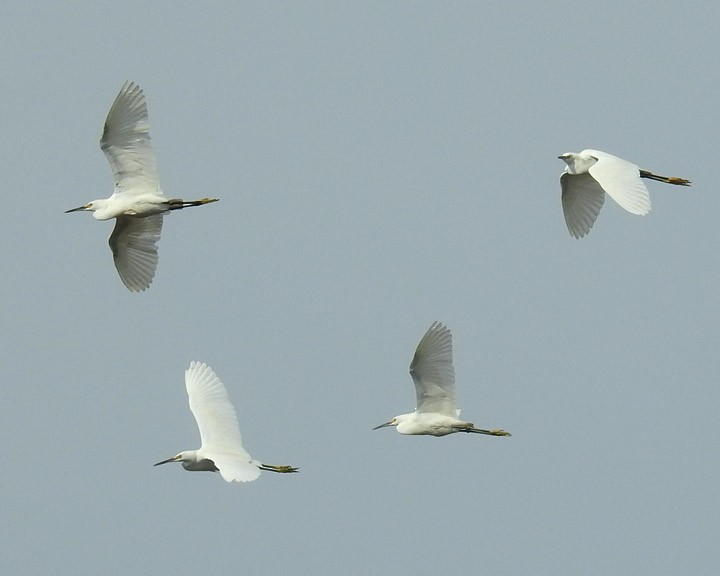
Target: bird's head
point(90, 206)
point(578, 162)
point(392, 422)
point(182, 457)
point(102, 209)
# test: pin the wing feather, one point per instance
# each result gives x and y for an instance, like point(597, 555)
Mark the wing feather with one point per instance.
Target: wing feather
point(621, 180)
point(234, 468)
point(134, 247)
point(126, 143)
point(214, 413)
point(433, 373)
point(582, 198)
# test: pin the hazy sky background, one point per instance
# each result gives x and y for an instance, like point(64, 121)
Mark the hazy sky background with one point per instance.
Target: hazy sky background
point(380, 165)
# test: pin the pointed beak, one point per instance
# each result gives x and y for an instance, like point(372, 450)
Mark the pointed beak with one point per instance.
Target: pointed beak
point(84, 207)
point(173, 459)
point(383, 425)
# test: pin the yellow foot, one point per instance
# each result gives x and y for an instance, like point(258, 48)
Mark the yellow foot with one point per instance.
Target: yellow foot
point(678, 181)
point(499, 433)
point(208, 200)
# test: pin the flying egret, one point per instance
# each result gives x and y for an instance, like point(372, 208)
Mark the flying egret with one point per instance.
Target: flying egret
point(221, 448)
point(137, 203)
point(434, 376)
point(590, 174)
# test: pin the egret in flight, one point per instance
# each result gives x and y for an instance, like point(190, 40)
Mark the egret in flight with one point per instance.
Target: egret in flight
point(221, 449)
point(590, 174)
point(434, 376)
point(137, 203)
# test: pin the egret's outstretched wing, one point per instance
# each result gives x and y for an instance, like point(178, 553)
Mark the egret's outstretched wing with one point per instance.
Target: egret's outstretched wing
point(134, 247)
point(215, 415)
point(621, 180)
point(582, 198)
point(126, 143)
point(433, 373)
point(234, 468)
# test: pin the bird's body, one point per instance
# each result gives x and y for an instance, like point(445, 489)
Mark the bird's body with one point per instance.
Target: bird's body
point(137, 196)
point(590, 174)
point(434, 424)
point(221, 449)
point(434, 377)
point(140, 206)
point(195, 463)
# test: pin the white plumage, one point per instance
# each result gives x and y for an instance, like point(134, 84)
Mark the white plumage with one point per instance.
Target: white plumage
point(221, 446)
point(434, 377)
point(591, 174)
point(137, 203)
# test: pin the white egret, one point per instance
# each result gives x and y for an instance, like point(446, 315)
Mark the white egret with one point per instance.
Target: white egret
point(434, 376)
point(137, 203)
point(221, 449)
point(590, 174)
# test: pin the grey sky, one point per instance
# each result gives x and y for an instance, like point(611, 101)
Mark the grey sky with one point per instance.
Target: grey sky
point(380, 166)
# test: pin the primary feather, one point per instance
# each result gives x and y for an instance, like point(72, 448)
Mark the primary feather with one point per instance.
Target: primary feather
point(220, 436)
point(134, 247)
point(433, 373)
point(126, 143)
